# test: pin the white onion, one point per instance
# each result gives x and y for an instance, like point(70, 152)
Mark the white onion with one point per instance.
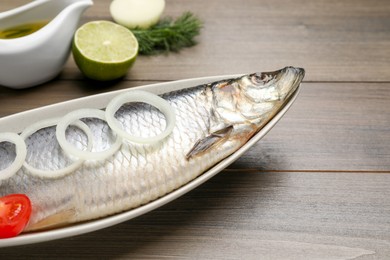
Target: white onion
point(69, 148)
point(60, 172)
point(21, 152)
point(73, 118)
point(137, 13)
point(145, 97)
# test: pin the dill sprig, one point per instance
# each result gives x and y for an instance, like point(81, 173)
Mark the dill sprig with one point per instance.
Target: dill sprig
point(168, 34)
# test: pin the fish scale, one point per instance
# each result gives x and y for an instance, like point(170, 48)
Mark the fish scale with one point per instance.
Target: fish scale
point(207, 130)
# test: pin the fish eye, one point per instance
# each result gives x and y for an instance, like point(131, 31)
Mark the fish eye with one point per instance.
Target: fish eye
point(260, 79)
point(256, 79)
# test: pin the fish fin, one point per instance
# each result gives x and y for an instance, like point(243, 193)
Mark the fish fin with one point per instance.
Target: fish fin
point(209, 141)
point(57, 220)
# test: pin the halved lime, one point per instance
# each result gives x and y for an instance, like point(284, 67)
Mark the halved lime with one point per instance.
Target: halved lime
point(104, 50)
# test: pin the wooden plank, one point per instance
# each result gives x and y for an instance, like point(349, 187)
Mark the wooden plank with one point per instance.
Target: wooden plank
point(334, 40)
point(332, 44)
point(249, 215)
point(348, 42)
point(331, 127)
point(14, 101)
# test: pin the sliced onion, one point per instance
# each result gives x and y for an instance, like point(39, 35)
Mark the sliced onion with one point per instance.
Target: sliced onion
point(69, 148)
point(21, 152)
point(66, 170)
point(145, 97)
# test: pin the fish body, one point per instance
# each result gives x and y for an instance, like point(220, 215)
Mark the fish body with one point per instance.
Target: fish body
point(212, 122)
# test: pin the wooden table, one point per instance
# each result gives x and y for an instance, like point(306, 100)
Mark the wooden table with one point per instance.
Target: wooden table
point(316, 187)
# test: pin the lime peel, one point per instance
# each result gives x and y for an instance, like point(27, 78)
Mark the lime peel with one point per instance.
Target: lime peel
point(104, 50)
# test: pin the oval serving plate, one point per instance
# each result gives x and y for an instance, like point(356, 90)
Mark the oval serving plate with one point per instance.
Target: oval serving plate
point(16, 123)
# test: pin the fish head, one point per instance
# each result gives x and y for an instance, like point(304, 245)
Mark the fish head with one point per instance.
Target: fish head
point(255, 97)
point(242, 106)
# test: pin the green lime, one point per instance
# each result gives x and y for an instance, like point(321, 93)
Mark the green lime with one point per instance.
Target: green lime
point(104, 50)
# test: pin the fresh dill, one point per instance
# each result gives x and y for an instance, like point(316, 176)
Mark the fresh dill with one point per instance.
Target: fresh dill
point(168, 35)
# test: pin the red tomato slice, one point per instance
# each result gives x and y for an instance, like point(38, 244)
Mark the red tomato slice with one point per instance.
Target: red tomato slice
point(15, 211)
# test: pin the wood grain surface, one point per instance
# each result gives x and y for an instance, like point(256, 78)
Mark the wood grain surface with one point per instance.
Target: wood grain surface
point(316, 187)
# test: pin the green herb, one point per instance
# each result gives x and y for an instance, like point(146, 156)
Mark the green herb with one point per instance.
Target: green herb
point(168, 35)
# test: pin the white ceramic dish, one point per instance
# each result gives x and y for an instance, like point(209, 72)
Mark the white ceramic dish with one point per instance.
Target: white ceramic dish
point(36, 58)
point(16, 123)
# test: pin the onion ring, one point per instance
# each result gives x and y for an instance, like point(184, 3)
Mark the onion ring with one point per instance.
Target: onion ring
point(85, 155)
point(66, 170)
point(145, 97)
point(21, 152)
